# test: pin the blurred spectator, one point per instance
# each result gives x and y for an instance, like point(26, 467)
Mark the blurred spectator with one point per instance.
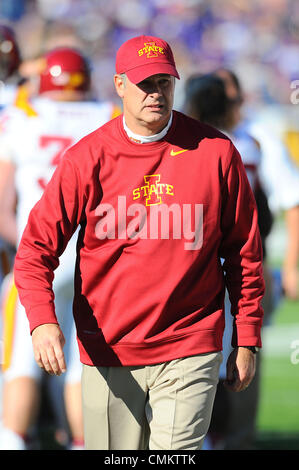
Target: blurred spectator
point(12, 10)
point(257, 39)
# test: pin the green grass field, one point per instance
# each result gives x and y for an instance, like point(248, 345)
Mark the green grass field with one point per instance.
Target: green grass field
point(278, 417)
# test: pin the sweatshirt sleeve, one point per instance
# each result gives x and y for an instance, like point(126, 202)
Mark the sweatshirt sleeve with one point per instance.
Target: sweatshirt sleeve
point(51, 223)
point(241, 251)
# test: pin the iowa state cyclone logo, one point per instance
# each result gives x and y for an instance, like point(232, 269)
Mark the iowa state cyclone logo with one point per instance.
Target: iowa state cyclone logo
point(151, 50)
point(152, 190)
point(151, 218)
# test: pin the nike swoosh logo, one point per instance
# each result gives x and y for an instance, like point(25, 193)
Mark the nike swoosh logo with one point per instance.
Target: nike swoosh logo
point(173, 153)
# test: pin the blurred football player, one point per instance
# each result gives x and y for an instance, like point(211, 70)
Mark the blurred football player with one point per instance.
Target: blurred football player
point(32, 142)
point(279, 175)
point(207, 100)
point(217, 99)
point(10, 60)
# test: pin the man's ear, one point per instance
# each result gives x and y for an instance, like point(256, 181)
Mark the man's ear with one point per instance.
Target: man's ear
point(119, 84)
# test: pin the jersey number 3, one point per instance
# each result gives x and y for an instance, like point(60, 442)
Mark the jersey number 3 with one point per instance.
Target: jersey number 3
point(63, 144)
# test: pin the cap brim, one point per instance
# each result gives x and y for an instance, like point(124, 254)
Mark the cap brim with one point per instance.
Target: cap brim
point(138, 74)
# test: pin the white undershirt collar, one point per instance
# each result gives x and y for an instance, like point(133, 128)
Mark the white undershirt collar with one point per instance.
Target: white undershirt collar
point(142, 139)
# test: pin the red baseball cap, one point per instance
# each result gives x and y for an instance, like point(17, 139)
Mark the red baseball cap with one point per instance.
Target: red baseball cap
point(143, 56)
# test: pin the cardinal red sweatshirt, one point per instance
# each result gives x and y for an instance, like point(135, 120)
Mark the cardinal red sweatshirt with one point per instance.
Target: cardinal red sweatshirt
point(164, 228)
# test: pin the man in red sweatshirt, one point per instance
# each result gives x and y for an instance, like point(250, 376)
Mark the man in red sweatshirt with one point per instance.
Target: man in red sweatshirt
point(167, 222)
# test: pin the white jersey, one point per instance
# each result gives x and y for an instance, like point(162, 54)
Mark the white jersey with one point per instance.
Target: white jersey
point(249, 151)
point(251, 158)
point(278, 172)
point(35, 140)
point(250, 154)
point(8, 94)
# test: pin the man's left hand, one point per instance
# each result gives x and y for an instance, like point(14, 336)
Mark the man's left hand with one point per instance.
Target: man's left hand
point(240, 369)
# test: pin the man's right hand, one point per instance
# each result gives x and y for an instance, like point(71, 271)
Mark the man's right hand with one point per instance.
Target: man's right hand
point(48, 342)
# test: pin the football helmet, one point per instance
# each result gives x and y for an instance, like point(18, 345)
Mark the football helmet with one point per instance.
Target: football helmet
point(10, 58)
point(64, 69)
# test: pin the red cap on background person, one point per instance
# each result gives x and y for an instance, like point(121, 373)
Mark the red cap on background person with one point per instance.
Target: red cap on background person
point(143, 56)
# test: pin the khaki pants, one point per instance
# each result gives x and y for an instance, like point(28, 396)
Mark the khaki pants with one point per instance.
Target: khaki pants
point(165, 406)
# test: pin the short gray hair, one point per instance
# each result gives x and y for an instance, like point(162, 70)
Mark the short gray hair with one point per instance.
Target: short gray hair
point(124, 78)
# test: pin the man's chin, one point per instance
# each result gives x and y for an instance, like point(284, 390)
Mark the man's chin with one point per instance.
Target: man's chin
point(157, 115)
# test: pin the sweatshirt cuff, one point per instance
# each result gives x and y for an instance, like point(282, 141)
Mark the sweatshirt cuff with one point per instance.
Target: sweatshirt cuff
point(41, 314)
point(246, 335)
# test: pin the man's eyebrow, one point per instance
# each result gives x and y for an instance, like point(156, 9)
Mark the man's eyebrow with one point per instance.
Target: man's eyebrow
point(150, 78)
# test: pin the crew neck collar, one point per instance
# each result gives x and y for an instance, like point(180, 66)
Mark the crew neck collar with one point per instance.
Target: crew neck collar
point(142, 139)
